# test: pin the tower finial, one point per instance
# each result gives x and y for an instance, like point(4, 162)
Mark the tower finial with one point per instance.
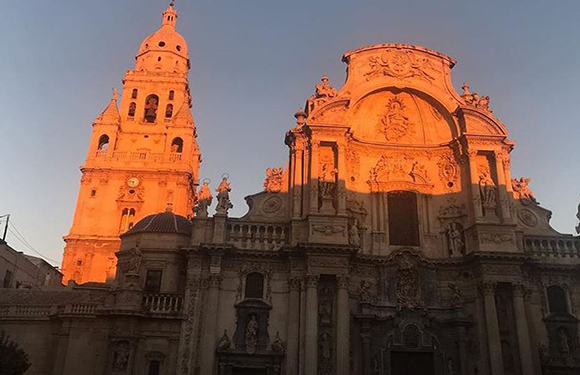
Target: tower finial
point(170, 15)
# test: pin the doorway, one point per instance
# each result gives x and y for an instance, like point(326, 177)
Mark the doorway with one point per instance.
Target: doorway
point(249, 371)
point(412, 363)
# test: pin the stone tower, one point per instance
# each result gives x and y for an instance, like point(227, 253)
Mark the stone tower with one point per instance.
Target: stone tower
point(143, 156)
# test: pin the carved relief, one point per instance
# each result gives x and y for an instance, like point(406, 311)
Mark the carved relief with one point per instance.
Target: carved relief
point(395, 123)
point(407, 285)
point(448, 171)
point(352, 162)
point(399, 168)
point(367, 292)
point(328, 230)
point(274, 180)
point(324, 93)
point(473, 99)
point(495, 238)
point(272, 205)
point(402, 65)
point(527, 217)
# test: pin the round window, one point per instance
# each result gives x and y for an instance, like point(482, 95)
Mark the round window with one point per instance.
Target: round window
point(161, 44)
point(178, 48)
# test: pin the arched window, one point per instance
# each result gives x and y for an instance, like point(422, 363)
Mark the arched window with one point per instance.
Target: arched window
point(134, 94)
point(127, 219)
point(151, 105)
point(132, 109)
point(169, 111)
point(403, 218)
point(171, 94)
point(177, 145)
point(557, 300)
point(255, 285)
point(103, 142)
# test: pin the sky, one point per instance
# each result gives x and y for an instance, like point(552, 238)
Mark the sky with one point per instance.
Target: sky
point(254, 62)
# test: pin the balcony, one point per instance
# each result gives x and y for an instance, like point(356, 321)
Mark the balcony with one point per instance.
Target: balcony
point(257, 236)
point(162, 303)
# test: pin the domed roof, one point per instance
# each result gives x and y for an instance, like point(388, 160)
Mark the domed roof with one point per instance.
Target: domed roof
point(164, 222)
point(166, 39)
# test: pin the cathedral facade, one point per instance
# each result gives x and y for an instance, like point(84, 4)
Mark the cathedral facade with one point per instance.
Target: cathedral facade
point(394, 241)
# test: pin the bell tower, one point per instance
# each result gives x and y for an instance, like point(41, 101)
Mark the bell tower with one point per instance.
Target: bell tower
point(143, 156)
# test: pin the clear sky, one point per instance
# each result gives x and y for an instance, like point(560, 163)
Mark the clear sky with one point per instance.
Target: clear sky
point(254, 62)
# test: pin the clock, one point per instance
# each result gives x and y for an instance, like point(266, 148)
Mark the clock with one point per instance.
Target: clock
point(133, 182)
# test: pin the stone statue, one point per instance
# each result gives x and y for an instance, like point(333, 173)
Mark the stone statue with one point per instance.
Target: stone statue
point(357, 210)
point(223, 197)
point(324, 92)
point(456, 295)
point(121, 356)
point(450, 367)
point(273, 182)
point(487, 190)
point(563, 343)
point(326, 180)
point(354, 234)
point(578, 217)
point(224, 343)
point(135, 261)
point(325, 344)
point(204, 199)
point(455, 243)
point(278, 345)
point(325, 312)
point(473, 99)
point(395, 123)
point(522, 190)
point(251, 335)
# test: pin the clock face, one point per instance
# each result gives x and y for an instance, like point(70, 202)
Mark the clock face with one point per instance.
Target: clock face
point(133, 182)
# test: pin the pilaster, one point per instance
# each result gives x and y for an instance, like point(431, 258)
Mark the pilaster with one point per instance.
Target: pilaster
point(311, 325)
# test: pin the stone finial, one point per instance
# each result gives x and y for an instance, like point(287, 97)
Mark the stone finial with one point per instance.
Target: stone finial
point(300, 116)
point(578, 217)
point(473, 99)
point(324, 93)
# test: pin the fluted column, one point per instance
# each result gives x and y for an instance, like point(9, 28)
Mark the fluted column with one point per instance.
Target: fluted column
point(209, 326)
point(342, 327)
point(502, 186)
point(311, 325)
point(298, 180)
point(493, 337)
point(522, 330)
point(341, 183)
point(314, 151)
point(293, 334)
point(474, 180)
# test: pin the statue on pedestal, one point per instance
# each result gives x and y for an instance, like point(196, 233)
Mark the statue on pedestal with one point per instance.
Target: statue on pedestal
point(204, 199)
point(223, 197)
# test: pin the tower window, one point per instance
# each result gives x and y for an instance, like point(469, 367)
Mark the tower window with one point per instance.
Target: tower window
point(177, 145)
point(161, 44)
point(403, 218)
point(255, 285)
point(169, 111)
point(127, 219)
point(153, 281)
point(151, 105)
point(103, 142)
point(93, 193)
point(557, 300)
point(159, 59)
point(134, 94)
point(171, 94)
point(132, 109)
point(178, 48)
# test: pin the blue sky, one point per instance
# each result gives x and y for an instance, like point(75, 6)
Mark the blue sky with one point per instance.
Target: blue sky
point(254, 62)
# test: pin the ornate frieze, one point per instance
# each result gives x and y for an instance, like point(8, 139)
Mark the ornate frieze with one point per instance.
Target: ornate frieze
point(395, 123)
point(401, 64)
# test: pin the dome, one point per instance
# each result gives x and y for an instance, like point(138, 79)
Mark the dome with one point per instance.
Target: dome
point(164, 222)
point(166, 39)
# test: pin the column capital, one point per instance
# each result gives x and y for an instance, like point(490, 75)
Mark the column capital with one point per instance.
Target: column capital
point(312, 280)
point(342, 281)
point(487, 288)
point(518, 289)
point(214, 280)
point(294, 283)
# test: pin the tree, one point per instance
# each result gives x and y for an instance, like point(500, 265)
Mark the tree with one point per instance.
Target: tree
point(13, 360)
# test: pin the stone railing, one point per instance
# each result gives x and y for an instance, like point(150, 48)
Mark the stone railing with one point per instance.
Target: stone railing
point(139, 156)
point(257, 236)
point(26, 311)
point(101, 154)
point(81, 309)
point(175, 156)
point(162, 303)
point(552, 246)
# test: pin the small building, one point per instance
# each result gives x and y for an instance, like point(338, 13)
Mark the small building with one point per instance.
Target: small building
point(21, 271)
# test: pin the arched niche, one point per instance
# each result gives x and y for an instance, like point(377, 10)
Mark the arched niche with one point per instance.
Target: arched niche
point(401, 116)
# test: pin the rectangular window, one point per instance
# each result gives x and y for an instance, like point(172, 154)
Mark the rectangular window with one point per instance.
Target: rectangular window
point(403, 218)
point(7, 279)
point(153, 281)
point(154, 367)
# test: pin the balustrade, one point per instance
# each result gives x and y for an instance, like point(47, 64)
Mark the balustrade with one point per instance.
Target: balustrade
point(552, 246)
point(162, 303)
point(257, 236)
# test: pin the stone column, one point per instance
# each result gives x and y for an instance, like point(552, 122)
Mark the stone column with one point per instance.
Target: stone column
point(474, 180)
point(342, 176)
point(298, 180)
point(501, 187)
point(342, 327)
point(209, 325)
point(522, 330)
point(311, 325)
point(293, 333)
point(314, 145)
point(493, 337)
